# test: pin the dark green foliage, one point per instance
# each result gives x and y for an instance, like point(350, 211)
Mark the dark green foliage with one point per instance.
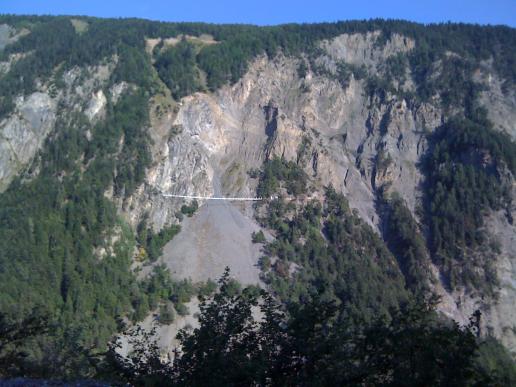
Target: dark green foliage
point(466, 176)
point(167, 313)
point(176, 66)
point(264, 263)
point(55, 42)
point(302, 69)
point(453, 81)
point(130, 115)
point(383, 159)
point(142, 367)
point(51, 42)
point(279, 173)
point(54, 226)
point(189, 210)
point(258, 237)
point(335, 253)
point(12, 334)
point(310, 346)
point(153, 243)
point(403, 238)
point(161, 287)
point(396, 66)
point(182, 310)
point(133, 66)
point(218, 352)
point(345, 70)
point(495, 359)
point(415, 348)
point(454, 78)
point(379, 86)
point(207, 289)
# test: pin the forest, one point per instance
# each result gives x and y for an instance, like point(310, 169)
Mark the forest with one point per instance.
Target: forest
point(314, 347)
point(466, 169)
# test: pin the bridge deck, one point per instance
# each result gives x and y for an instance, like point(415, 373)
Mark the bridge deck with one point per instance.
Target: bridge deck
point(213, 198)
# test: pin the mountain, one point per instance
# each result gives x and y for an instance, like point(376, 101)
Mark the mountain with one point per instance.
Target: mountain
point(384, 151)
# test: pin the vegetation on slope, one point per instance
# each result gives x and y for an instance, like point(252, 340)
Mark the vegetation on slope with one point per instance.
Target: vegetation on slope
point(309, 345)
point(54, 42)
point(65, 251)
point(151, 244)
point(469, 171)
point(404, 240)
point(50, 228)
point(326, 249)
point(176, 66)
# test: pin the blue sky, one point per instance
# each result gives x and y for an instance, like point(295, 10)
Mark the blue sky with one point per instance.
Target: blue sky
point(276, 11)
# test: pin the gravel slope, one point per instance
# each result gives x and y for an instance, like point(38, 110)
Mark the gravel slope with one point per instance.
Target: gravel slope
point(218, 235)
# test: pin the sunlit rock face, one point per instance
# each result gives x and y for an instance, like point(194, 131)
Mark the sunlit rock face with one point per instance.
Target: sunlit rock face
point(208, 142)
point(23, 133)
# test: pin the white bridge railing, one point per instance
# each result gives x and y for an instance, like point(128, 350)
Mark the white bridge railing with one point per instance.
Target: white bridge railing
point(241, 199)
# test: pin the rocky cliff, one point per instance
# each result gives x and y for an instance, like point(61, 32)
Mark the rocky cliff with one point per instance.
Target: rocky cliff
point(337, 133)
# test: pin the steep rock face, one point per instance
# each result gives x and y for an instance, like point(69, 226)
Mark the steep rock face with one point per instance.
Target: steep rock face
point(96, 105)
point(23, 133)
point(501, 106)
point(5, 35)
point(339, 135)
point(233, 130)
point(502, 313)
point(363, 49)
point(10, 35)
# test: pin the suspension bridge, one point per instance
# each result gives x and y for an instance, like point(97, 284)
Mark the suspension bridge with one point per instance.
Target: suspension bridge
point(232, 199)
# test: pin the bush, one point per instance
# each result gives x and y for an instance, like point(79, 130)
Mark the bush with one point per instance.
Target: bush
point(207, 289)
point(264, 263)
point(258, 237)
point(189, 210)
point(167, 314)
point(182, 309)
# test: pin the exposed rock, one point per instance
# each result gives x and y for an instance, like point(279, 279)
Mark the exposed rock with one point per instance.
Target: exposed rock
point(364, 49)
point(498, 316)
point(96, 105)
point(10, 35)
point(5, 35)
point(5, 67)
point(83, 84)
point(79, 25)
point(117, 90)
point(23, 133)
point(268, 113)
point(501, 316)
point(205, 145)
point(500, 104)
